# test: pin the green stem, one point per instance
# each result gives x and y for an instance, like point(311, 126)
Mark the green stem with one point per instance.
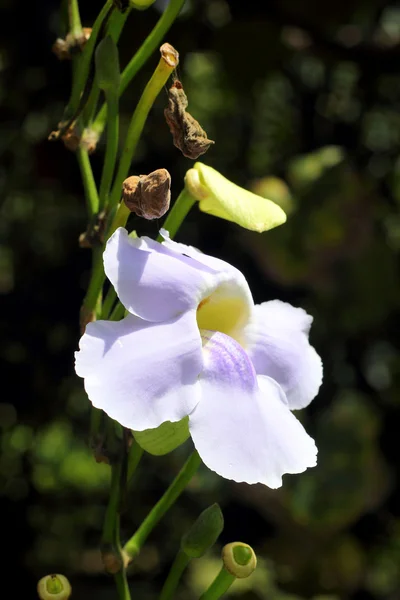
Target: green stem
point(171, 583)
point(118, 312)
point(150, 93)
point(114, 29)
point(219, 586)
point(108, 303)
point(178, 212)
point(95, 284)
point(135, 543)
point(121, 582)
point(134, 456)
point(112, 512)
point(75, 25)
point(89, 184)
point(111, 148)
point(143, 54)
point(98, 276)
point(111, 543)
point(83, 68)
point(118, 219)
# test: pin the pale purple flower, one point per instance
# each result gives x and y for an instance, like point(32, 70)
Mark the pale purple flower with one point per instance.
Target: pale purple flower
point(194, 344)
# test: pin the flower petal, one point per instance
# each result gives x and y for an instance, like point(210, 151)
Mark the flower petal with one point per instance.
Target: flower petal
point(277, 343)
point(220, 197)
point(139, 373)
point(151, 281)
point(214, 264)
point(229, 308)
point(242, 427)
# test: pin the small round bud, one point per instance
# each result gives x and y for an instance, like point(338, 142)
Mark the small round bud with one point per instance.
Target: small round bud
point(239, 559)
point(204, 532)
point(141, 4)
point(54, 587)
point(148, 196)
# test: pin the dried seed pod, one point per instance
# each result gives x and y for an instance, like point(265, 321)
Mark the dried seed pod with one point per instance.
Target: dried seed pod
point(148, 196)
point(187, 133)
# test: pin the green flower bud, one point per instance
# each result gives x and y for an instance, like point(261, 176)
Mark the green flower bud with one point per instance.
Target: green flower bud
point(204, 532)
point(107, 65)
point(164, 438)
point(239, 559)
point(54, 587)
point(141, 4)
point(220, 197)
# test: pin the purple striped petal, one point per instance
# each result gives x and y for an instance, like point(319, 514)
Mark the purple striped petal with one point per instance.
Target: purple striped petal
point(242, 426)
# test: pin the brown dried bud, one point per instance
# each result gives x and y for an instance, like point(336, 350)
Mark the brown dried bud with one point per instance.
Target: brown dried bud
point(71, 138)
point(66, 49)
point(187, 133)
point(148, 196)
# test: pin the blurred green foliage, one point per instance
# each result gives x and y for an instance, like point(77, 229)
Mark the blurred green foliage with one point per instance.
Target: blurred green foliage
point(305, 111)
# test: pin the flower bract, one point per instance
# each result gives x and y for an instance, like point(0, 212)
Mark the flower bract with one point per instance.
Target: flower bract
point(194, 347)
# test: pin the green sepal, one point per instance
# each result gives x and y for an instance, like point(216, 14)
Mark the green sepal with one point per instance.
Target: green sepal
point(107, 65)
point(164, 438)
point(204, 532)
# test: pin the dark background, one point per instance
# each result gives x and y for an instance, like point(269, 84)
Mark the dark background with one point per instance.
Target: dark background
point(302, 99)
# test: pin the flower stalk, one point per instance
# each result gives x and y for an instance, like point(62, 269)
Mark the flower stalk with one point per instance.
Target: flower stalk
point(219, 586)
point(89, 183)
point(82, 77)
point(135, 543)
point(143, 54)
point(114, 29)
point(178, 213)
point(108, 79)
point(75, 25)
point(177, 569)
point(168, 62)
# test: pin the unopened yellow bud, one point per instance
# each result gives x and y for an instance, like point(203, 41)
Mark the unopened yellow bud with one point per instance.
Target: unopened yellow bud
point(239, 559)
point(54, 587)
point(220, 197)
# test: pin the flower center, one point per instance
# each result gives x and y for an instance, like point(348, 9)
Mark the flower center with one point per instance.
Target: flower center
point(225, 310)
